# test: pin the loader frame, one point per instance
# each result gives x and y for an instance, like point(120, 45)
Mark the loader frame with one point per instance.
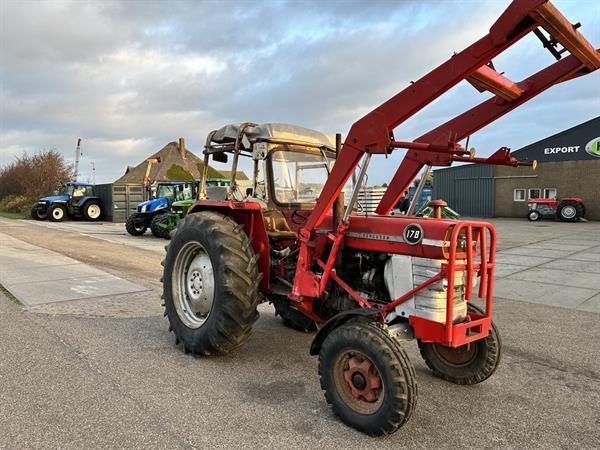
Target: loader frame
point(373, 134)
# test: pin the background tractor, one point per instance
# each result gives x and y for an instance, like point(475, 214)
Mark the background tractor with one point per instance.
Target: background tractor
point(153, 213)
point(78, 200)
point(566, 209)
point(215, 187)
point(369, 282)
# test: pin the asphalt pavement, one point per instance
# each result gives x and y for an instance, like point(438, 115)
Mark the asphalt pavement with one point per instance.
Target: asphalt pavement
point(104, 372)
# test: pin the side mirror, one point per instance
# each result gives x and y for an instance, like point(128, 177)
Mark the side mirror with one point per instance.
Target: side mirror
point(220, 157)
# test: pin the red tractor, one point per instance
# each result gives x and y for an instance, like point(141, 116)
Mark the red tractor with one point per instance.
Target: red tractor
point(298, 237)
point(566, 209)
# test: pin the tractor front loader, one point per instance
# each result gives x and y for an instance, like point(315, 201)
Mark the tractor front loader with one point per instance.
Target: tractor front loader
point(369, 282)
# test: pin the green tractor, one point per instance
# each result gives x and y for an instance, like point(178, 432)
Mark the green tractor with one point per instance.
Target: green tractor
point(168, 222)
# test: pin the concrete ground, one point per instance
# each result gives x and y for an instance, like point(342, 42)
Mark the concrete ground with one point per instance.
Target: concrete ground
point(103, 372)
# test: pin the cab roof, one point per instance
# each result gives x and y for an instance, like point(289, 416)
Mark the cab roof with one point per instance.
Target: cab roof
point(274, 132)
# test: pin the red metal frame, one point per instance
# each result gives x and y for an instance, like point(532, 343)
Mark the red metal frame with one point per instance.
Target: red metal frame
point(374, 134)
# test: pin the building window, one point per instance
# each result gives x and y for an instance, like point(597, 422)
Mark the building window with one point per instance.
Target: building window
point(535, 193)
point(549, 192)
point(519, 195)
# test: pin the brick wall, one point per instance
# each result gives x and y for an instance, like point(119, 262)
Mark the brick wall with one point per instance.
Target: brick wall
point(570, 178)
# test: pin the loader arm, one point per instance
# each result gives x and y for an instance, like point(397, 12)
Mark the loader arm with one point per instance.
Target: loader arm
point(373, 133)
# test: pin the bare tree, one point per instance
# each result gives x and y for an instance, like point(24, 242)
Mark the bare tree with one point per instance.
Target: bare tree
point(35, 175)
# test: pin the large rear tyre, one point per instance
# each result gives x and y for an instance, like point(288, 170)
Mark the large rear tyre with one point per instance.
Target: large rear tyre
point(292, 318)
point(570, 211)
point(36, 215)
point(92, 211)
point(367, 378)
point(57, 212)
point(210, 284)
point(135, 227)
point(468, 364)
point(155, 226)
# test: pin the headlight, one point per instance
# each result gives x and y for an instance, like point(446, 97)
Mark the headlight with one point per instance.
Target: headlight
point(42, 202)
point(532, 205)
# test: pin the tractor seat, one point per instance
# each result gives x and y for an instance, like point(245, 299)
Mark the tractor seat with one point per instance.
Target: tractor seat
point(276, 225)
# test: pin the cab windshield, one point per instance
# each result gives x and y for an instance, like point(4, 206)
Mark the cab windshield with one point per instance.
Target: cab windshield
point(78, 191)
point(175, 192)
point(165, 191)
point(298, 177)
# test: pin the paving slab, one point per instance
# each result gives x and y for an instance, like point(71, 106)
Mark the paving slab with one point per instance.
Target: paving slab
point(563, 245)
point(545, 294)
point(543, 252)
point(503, 270)
point(36, 275)
point(51, 273)
point(520, 260)
point(591, 305)
point(574, 265)
point(558, 277)
point(71, 289)
point(573, 241)
point(585, 256)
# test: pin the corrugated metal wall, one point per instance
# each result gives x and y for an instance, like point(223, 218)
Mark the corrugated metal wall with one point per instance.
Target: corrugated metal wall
point(468, 189)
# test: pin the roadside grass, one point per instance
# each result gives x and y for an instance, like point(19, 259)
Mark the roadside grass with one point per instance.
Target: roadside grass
point(14, 215)
point(11, 297)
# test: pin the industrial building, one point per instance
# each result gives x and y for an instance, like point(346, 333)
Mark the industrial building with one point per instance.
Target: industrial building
point(568, 166)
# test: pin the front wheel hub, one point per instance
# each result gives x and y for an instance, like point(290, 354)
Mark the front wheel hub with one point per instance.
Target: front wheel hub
point(363, 379)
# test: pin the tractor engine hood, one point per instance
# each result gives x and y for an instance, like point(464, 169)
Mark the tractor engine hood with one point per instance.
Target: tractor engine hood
point(150, 206)
point(54, 199)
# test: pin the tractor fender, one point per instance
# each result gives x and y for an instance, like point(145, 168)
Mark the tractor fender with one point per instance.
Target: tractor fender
point(250, 215)
point(83, 200)
point(336, 321)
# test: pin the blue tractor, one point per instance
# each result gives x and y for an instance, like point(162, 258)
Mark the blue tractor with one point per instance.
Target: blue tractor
point(152, 213)
point(78, 200)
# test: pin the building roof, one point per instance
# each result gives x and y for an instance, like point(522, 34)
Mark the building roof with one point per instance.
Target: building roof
point(172, 167)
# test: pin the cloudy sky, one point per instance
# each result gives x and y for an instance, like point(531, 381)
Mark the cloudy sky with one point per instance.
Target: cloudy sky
point(128, 77)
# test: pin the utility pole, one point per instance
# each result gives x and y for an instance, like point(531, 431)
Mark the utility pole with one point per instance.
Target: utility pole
point(93, 172)
point(77, 155)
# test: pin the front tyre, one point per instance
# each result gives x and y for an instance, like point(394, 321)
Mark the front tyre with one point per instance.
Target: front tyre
point(156, 228)
point(469, 364)
point(367, 378)
point(135, 226)
point(36, 214)
point(57, 213)
point(534, 216)
point(92, 211)
point(210, 284)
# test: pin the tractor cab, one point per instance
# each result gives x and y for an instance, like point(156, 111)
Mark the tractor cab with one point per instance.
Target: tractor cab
point(78, 190)
point(290, 167)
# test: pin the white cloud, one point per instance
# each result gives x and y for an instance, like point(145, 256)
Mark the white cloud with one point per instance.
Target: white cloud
point(128, 77)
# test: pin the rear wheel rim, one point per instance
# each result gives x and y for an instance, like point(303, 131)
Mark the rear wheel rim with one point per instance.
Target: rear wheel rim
point(358, 382)
point(568, 212)
point(93, 211)
point(193, 285)
point(457, 357)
